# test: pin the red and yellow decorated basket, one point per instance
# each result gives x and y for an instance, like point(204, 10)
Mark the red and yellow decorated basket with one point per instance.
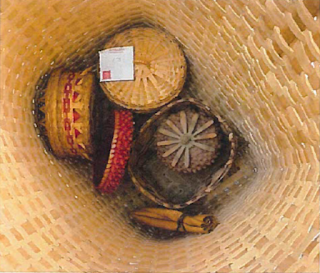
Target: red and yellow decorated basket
point(67, 108)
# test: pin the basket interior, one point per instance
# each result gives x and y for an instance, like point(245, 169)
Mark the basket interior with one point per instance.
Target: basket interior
point(255, 62)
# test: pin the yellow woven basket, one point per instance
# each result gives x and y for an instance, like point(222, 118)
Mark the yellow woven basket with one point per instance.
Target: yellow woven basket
point(254, 62)
point(160, 70)
point(67, 105)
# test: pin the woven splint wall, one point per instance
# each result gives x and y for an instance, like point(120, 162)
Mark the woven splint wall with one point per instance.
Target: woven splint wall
point(255, 62)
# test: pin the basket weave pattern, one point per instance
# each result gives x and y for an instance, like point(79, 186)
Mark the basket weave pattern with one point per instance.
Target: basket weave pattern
point(160, 70)
point(67, 108)
point(255, 62)
point(146, 137)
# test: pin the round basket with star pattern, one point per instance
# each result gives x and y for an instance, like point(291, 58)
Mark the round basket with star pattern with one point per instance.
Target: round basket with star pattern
point(181, 154)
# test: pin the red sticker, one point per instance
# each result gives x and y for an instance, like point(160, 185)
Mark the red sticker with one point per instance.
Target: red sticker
point(106, 75)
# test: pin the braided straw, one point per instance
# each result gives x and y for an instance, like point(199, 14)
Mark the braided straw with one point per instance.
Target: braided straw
point(67, 110)
point(160, 70)
point(254, 62)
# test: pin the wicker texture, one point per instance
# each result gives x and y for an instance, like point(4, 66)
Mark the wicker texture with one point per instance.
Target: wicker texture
point(140, 155)
point(160, 70)
point(119, 151)
point(187, 141)
point(67, 112)
point(255, 62)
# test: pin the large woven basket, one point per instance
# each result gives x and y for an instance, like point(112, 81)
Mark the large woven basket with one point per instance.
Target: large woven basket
point(254, 62)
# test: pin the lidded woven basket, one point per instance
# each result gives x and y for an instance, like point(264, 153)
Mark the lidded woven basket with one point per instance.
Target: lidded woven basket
point(67, 105)
point(188, 141)
point(170, 188)
point(160, 70)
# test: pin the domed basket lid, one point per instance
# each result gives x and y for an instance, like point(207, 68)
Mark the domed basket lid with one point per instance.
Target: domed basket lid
point(160, 70)
point(147, 172)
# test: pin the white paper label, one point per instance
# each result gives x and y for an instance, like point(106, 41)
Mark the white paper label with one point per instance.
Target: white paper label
point(116, 64)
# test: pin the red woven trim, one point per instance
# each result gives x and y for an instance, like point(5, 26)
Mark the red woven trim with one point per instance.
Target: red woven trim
point(119, 152)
